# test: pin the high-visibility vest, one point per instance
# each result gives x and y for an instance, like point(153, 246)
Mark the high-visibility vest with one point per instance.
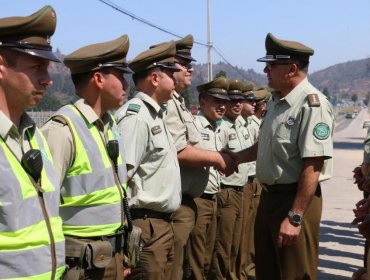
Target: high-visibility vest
point(32, 244)
point(91, 196)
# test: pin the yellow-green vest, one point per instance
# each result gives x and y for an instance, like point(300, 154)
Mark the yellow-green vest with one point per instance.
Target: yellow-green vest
point(27, 247)
point(91, 196)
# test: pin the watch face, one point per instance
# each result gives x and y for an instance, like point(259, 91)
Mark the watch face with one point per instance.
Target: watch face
point(296, 218)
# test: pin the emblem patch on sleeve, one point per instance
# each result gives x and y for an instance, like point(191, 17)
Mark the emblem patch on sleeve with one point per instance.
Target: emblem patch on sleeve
point(321, 131)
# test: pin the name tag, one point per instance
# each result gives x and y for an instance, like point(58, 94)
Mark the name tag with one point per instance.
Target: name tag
point(156, 129)
point(205, 136)
point(232, 136)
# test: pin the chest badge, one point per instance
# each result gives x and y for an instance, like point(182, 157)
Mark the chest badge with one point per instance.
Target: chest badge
point(290, 121)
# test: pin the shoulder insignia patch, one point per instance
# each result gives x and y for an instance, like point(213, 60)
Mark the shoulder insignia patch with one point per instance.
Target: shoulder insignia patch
point(156, 129)
point(232, 136)
point(205, 136)
point(313, 100)
point(321, 131)
point(133, 108)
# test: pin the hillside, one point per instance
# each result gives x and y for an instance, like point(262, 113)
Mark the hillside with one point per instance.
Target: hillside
point(344, 79)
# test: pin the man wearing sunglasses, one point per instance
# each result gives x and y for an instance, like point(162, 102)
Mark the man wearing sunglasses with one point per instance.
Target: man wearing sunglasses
point(295, 150)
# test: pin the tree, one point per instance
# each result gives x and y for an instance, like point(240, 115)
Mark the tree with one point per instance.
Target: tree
point(354, 97)
point(326, 93)
point(222, 73)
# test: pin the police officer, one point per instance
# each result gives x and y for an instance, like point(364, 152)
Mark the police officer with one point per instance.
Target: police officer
point(253, 189)
point(294, 155)
point(79, 136)
point(31, 237)
point(230, 199)
point(154, 186)
point(194, 161)
point(212, 100)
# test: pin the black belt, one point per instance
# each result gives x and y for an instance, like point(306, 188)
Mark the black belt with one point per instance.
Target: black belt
point(279, 187)
point(142, 213)
point(186, 198)
point(237, 188)
point(208, 196)
point(251, 178)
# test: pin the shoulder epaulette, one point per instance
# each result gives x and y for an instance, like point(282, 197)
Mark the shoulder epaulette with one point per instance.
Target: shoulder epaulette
point(59, 119)
point(313, 100)
point(133, 108)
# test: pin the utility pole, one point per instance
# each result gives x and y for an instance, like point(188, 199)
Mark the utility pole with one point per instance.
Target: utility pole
point(209, 44)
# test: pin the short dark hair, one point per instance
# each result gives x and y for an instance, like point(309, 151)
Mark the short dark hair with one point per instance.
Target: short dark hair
point(143, 74)
point(81, 79)
point(10, 56)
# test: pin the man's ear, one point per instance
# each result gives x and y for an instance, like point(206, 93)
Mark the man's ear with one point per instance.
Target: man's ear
point(98, 79)
point(154, 78)
point(293, 69)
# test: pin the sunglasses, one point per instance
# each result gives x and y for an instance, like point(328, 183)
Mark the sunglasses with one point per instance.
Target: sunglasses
point(187, 66)
point(270, 65)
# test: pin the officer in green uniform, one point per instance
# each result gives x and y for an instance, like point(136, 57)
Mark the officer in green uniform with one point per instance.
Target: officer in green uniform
point(295, 150)
point(194, 161)
point(254, 187)
point(230, 199)
point(87, 148)
point(154, 184)
point(31, 237)
point(212, 100)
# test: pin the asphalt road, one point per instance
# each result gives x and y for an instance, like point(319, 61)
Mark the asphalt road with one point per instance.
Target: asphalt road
point(341, 246)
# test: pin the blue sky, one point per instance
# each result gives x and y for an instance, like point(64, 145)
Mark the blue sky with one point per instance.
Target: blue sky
point(338, 30)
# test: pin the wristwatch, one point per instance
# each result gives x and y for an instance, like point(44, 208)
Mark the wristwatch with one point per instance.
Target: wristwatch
point(295, 217)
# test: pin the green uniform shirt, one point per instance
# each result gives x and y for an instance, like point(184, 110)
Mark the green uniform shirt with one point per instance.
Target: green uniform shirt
point(291, 131)
point(14, 139)
point(237, 138)
point(253, 124)
point(212, 142)
point(185, 130)
point(152, 166)
point(60, 139)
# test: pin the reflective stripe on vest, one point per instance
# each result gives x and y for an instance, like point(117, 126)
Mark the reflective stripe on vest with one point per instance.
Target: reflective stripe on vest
point(25, 244)
point(92, 200)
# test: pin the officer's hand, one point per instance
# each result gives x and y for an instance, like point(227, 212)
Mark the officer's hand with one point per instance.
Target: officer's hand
point(359, 177)
point(228, 165)
point(362, 207)
point(288, 234)
point(126, 272)
point(363, 224)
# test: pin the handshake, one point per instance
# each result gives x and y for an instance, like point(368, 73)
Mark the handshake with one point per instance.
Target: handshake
point(228, 163)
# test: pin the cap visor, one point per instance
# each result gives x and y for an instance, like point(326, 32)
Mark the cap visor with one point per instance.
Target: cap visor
point(185, 56)
point(49, 55)
point(220, 96)
point(236, 97)
point(174, 68)
point(126, 70)
point(266, 59)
